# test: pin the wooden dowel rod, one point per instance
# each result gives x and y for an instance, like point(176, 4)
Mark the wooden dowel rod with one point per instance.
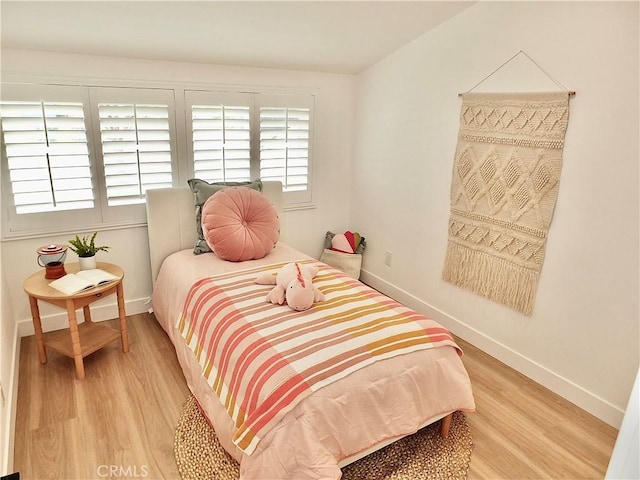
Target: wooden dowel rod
point(570, 92)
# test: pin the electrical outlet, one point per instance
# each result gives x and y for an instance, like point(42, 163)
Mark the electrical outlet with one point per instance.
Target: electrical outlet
point(387, 257)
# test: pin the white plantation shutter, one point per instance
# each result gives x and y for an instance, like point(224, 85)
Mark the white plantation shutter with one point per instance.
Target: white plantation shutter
point(228, 142)
point(136, 150)
point(284, 146)
point(221, 142)
point(134, 133)
point(47, 155)
point(286, 123)
point(220, 135)
point(48, 164)
point(81, 157)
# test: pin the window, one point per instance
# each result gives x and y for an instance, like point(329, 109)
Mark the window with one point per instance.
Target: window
point(220, 135)
point(284, 146)
point(230, 142)
point(48, 167)
point(47, 156)
point(136, 150)
point(81, 157)
point(135, 143)
point(286, 123)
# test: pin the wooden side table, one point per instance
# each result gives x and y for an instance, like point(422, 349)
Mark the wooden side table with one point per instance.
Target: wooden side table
point(77, 341)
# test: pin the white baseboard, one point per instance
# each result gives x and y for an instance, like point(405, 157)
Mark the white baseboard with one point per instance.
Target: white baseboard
point(572, 392)
point(99, 313)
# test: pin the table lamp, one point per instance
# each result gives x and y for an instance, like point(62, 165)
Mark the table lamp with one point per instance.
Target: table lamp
point(52, 257)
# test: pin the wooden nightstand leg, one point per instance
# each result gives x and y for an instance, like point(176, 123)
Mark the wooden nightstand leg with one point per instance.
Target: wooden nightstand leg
point(87, 313)
point(37, 327)
point(75, 339)
point(124, 334)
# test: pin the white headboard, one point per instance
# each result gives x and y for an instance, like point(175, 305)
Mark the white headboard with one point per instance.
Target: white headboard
point(171, 220)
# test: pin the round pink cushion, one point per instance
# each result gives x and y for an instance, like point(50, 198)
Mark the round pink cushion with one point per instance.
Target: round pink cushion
point(240, 224)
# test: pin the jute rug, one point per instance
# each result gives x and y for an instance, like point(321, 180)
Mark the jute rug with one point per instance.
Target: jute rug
point(505, 181)
point(423, 455)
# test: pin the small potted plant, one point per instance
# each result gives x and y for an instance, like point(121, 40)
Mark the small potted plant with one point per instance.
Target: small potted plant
point(86, 250)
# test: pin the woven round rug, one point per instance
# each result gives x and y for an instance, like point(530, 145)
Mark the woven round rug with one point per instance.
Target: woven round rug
point(423, 455)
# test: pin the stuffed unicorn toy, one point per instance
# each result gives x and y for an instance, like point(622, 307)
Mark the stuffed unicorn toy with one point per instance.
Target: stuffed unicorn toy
point(293, 284)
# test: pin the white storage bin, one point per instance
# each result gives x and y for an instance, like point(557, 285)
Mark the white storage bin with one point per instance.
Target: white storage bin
point(349, 263)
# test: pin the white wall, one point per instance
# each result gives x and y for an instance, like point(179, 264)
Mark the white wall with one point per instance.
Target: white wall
point(7, 355)
point(582, 340)
point(305, 228)
point(9, 349)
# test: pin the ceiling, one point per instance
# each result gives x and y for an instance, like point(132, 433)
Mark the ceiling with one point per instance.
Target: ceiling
point(326, 36)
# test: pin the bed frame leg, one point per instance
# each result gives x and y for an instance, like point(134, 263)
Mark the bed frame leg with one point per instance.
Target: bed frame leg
point(445, 424)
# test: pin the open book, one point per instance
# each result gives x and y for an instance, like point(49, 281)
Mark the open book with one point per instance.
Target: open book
point(83, 280)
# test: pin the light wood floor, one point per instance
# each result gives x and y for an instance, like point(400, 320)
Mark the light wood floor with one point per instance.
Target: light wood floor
point(119, 421)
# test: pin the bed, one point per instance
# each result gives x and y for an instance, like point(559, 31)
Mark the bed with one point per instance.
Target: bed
point(332, 424)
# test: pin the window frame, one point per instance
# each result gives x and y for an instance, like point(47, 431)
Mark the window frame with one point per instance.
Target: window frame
point(106, 217)
point(294, 199)
point(19, 224)
point(214, 98)
point(255, 101)
point(134, 212)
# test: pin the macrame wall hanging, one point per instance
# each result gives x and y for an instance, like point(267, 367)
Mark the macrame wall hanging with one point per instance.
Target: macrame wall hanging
point(505, 181)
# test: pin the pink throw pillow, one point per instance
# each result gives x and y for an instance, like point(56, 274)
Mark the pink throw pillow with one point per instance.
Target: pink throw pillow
point(240, 224)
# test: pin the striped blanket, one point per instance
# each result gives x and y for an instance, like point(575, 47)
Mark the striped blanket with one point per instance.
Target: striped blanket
point(262, 359)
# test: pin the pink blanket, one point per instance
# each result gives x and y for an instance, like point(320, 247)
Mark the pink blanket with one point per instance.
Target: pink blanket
point(336, 423)
point(262, 360)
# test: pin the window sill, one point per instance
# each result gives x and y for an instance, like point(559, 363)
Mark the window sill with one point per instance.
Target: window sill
point(28, 234)
point(298, 206)
point(25, 235)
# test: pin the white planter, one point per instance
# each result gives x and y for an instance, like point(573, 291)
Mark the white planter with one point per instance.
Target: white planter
point(87, 263)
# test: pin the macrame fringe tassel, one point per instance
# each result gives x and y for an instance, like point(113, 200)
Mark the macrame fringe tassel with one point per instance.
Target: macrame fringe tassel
point(491, 277)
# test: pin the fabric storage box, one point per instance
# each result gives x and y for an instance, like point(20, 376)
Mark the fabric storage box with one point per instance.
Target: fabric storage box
point(348, 263)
